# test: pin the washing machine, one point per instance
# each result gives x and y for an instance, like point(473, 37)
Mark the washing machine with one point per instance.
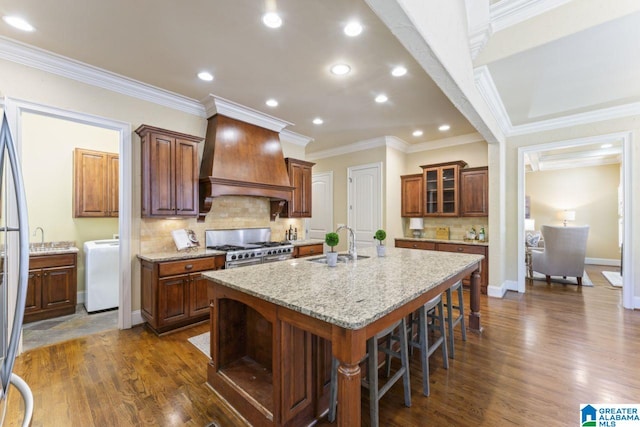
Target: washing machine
point(101, 274)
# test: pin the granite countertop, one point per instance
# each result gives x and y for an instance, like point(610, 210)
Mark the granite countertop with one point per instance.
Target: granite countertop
point(351, 295)
point(306, 242)
point(455, 242)
point(53, 248)
point(182, 255)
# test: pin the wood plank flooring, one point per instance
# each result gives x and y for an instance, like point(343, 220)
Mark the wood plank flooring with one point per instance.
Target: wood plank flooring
point(541, 355)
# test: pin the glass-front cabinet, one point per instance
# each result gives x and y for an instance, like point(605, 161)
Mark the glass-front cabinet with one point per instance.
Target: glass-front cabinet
point(442, 195)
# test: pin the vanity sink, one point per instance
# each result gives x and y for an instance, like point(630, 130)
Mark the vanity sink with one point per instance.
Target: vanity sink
point(51, 246)
point(341, 258)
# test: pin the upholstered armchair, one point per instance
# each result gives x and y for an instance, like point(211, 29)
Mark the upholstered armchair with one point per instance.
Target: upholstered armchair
point(564, 252)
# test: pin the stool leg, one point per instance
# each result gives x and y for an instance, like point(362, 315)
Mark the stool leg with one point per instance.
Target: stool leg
point(450, 322)
point(424, 346)
point(372, 348)
point(463, 327)
point(443, 334)
point(404, 355)
point(333, 390)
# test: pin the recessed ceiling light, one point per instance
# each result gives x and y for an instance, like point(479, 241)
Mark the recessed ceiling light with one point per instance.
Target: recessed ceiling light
point(381, 98)
point(272, 20)
point(353, 29)
point(417, 132)
point(318, 121)
point(340, 69)
point(19, 23)
point(444, 128)
point(272, 102)
point(206, 76)
point(606, 146)
point(399, 71)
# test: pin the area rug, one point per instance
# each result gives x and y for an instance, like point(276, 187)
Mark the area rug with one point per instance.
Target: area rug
point(613, 277)
point(201, 342)
point(586, 281)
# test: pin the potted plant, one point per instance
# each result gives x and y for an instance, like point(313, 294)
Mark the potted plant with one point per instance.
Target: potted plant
point(332, 240)
point(380, 236)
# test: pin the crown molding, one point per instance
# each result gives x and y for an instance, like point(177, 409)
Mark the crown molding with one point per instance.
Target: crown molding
point(445, 142)
point(295, 138)
point(217, 105)
point(489, 92)
point(40, 59)
point(507, 13)
point(478, 39)
point(346, 149)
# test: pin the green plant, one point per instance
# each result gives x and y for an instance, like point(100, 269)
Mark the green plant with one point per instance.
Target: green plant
point(332, 239)
point(380, 236)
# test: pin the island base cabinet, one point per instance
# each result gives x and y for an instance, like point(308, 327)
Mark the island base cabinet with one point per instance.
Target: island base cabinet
point(264, 367)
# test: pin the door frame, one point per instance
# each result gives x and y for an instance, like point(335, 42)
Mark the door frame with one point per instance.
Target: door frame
point(627, 255)
point(328, 174)
point(14, 109)
point(350, 170)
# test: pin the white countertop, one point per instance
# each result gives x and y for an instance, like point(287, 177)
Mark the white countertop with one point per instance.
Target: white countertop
point(351, 295)
point(455, 242)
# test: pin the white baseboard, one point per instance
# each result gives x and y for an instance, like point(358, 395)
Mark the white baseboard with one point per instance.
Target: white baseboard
point(136, 318)
point(603, 261)
point(636, 303)
point(498, 291)
point(80, 297)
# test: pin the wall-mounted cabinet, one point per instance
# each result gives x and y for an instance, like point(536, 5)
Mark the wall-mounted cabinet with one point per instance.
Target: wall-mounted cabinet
point(442, 188)
point(169, 173)
point(474, 192)
point(300, 177)
point(95, 184)
point(412, 195)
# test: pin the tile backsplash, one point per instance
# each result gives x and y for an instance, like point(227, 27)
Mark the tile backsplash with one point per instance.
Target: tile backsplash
point(226, 212)
point(458, 227)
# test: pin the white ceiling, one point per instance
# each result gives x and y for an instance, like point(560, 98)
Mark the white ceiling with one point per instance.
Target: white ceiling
point(546, 60)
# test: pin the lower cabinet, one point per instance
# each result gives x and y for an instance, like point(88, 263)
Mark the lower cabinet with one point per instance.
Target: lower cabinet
point(52, 286)
point(454, 247)
point(308, 250)
point(174, 293)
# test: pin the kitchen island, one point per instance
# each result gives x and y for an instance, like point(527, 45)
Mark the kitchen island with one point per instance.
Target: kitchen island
point(275, 326)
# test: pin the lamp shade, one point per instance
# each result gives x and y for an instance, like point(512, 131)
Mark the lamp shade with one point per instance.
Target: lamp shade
point(529, 224)
point(416, 224)
point(569, 215)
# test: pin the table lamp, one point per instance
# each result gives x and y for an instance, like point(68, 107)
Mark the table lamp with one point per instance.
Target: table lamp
point(568, 216)
point(416, 224)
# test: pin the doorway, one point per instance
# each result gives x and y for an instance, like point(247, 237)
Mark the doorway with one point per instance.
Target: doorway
point(20, 114)
point(623, 139)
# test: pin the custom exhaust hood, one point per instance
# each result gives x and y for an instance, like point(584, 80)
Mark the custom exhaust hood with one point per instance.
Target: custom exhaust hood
point(242, 158)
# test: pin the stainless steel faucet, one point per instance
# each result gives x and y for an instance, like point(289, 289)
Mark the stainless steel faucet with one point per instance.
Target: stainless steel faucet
point(352, 244)
point(42, 236)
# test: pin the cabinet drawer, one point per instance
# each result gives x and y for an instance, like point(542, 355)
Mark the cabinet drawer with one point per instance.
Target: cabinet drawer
point(412, 244)
point(172, 268)
point(309, 250)
point(467, 249)
point(52, 261)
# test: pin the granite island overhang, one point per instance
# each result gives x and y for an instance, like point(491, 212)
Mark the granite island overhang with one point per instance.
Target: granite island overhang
point(274, 327)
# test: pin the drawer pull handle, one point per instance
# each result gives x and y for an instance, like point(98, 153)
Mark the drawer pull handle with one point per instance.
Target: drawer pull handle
point(311, 251)
point(460, 249)
point(188, 267)
point(415, 246)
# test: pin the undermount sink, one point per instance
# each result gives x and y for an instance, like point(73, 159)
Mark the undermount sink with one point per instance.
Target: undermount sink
point(341, 258)
point(50, 246)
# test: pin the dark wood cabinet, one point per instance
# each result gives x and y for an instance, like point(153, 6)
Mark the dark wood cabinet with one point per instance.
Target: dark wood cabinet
point(412, 195)
point(174, 293)
point(308, 250)
point(52, 286)
point(442, 189)
point(454, 247)
point(300, 177)
point(169, 173)
point(96, 184)
point(474, 192)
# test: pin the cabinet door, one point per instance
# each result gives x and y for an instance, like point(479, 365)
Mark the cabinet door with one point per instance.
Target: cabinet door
point(113, 187)
point(186, 178)
point(58, 287)
point(474, 189)
point(412, 200)
point(296, 368)
point(449, 190)
point(173, 299)
point(432, 193)
point(300, 176)
point(162, 175)
point(34, 291)
point(198, 298)
point(90, 183)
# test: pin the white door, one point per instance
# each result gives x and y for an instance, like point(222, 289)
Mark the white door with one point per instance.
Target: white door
point(321, 221)
point(364, 189)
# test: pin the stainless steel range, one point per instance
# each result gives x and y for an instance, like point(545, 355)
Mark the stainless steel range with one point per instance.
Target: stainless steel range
point(247, 246)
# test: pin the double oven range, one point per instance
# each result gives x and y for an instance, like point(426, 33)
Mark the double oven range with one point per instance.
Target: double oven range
point(247, 246)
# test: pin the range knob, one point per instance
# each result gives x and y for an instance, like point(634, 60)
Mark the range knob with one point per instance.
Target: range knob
point(252, 254)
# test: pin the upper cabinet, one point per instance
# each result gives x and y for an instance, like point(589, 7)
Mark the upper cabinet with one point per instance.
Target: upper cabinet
point(442, 188)
point(412, 195)
point(300, 178)
point(95, 184)
point(169, 173)
point(474, 192)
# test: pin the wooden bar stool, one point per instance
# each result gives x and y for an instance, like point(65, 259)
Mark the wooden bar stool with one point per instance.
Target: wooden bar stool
point(451, 321)
point(371, 382)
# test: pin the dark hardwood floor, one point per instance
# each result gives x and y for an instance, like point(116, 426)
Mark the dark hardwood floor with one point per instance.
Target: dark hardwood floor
point(541, 355)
